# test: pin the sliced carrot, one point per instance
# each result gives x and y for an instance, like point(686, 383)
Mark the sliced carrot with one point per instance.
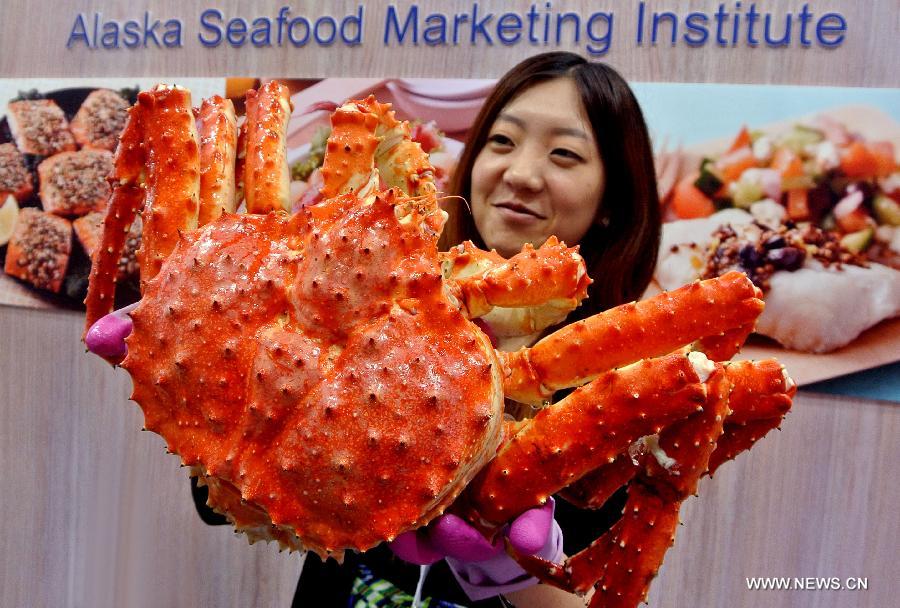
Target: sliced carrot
point(856, 220)
point(734, 163)
point(741, 141)
point(798, 204)
point(885, 160)
point(787, 163)
point(688, 201)
point(858, 161)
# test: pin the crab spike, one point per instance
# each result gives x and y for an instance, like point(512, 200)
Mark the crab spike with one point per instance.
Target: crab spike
point(173, 176)
point(589, 427)
point(540, 287)
point(267, 177)
point(126, 200)
point(217, 127)
point(619, 336)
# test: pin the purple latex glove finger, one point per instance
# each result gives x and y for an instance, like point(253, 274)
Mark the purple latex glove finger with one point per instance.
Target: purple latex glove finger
point(107, 336)
point(528, 532)
point(414, 547)
point(455, 538)
point(501, 574)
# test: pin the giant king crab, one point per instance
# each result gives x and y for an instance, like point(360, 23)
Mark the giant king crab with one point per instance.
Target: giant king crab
point(321, 372)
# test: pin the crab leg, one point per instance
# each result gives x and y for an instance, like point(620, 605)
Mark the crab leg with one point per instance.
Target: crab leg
point(173, 174)
point(594, 489)
point(544, 283)
point(266, 174)
point(369, 145)
point(622, 562)
point(627, 333)
point(370, 150)
point(760, 397)
point(125, 202)
point(589, 427)
point(216, 125)
point(724, 346)
point(349, 164)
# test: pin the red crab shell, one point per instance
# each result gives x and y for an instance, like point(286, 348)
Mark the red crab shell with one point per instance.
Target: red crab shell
point(316, 363)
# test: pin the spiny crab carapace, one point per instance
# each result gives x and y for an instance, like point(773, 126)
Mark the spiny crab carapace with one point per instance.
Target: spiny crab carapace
point(320, 370)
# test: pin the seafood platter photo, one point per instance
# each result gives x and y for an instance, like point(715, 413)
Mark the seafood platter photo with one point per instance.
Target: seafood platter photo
point(809, 208)
point(56, 154)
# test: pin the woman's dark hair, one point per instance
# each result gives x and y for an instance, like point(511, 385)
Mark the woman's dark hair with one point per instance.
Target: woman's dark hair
point(621, 251)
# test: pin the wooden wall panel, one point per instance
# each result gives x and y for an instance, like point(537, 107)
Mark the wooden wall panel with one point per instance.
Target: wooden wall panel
point(95, 513)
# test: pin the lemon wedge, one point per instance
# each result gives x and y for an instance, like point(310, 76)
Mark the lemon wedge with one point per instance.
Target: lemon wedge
point(9, 212)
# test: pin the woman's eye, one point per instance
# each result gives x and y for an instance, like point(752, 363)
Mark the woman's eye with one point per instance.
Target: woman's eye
point(566, 154)
point(500, 140)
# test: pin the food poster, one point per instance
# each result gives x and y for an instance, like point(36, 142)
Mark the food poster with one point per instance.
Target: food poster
point(57, 139)
point(833, 298)
point(805, 177)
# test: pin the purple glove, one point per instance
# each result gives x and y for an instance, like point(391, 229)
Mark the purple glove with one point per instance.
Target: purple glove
point(483, 569)
point(107, 336)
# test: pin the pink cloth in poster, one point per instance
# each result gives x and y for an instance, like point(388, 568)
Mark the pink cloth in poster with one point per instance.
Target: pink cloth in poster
point(451, 103)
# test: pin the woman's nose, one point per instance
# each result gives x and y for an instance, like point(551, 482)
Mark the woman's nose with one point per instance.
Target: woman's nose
point(523, 173)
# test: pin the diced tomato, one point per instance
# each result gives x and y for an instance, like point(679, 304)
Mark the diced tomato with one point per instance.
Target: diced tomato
point(730, 166)
point(787, 163)
point(798, 205)
point(688, 201)
point(885, 160)
point(856, 220)
point(741, 141)
point(857, 160)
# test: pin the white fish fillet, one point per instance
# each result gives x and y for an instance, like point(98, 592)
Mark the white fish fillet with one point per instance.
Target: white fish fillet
point(815, 309)
point(818, 309)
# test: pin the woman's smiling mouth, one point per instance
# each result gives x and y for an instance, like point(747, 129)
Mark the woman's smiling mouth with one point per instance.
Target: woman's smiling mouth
point(518, 212)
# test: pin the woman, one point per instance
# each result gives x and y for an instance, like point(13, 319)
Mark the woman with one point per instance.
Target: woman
point(559, 148)
point(565, 140)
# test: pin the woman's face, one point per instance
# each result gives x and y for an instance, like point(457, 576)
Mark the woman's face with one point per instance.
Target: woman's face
point(540, 172)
